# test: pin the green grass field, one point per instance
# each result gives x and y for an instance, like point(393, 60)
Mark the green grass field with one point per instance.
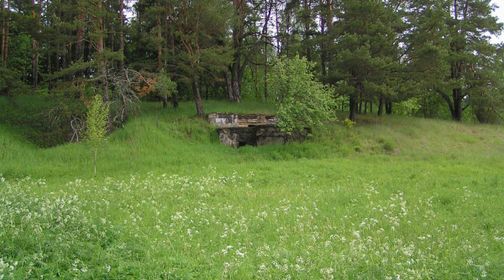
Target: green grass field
point(392, 198)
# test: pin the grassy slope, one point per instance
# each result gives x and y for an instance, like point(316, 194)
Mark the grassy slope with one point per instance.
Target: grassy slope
point(305, 210)
point(175, 142)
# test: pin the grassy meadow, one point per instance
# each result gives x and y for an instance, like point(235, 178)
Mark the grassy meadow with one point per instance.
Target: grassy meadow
point(391, 198)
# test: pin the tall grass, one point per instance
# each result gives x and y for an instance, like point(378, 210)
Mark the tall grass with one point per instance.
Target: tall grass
point(175, 141)
point(390, 198)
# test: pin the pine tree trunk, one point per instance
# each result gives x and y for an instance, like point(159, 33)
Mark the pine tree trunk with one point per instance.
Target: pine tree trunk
point(35, 62)
point(323, 36)
point(306, 23)
point(2, 29)
point(100, 46)
point(172, 48)
point(79, 45)
point(5, 33)
point(165, 101)
point(267, 14)
point(457, 105)
point(174, 100)
point(35, 46)
point(265, 76)
point(388, 107)
point(159, 45)
point(235, 79)
point(255, 73)
point(229, 85)
point(7, 30)
point(236, 84)
point(111, 39)
point(353, 105)
point(360, 100)
point(277, 29)
point(457, 70)
point(121, 33)
point(380, 106)
point(285, 34)
point(329, 15)
point(197, 97)
point(237, 36)
point(329, 27)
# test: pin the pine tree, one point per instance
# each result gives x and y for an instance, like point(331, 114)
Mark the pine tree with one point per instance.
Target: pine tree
point(202, 26)
point(366, 53)
point(449, 46)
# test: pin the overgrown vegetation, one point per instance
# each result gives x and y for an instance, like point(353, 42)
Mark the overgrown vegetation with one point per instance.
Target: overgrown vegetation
point(435, 55)
point(386, 198)
point(303, 102)
point(373, 193)
point(166, 88)
point(45, 121)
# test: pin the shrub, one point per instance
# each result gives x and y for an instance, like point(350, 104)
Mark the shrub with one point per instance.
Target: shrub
point(408, 107)
point(97, 120)
point(302, 100)
point(388, 147)
point(348, 123)
point(43, 120)
point(165, 87)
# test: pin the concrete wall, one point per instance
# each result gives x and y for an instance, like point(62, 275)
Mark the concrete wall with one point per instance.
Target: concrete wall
point(237, 130)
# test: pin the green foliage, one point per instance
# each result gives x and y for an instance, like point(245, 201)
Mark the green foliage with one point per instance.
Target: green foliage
point(143, 145)
point(436, 51)
point(398, 207)
point(366, 62)
point(96, 124)
point(348, 123)
point(97, 120)
point(201, 26)
point(252, 87)
point(302, 100)
point(11, 83)
point(455, 60)
point(43, 120)
point(409, 107)
point(165, 86)
point(20, 55)
point(72, 70)
point(487, 95)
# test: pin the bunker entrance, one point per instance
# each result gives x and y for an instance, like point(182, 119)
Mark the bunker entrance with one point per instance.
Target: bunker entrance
point(237, 130)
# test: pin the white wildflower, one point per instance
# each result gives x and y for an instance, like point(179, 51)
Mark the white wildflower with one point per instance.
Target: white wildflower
point(240, 254)
point(327, 273)
point(356, 234)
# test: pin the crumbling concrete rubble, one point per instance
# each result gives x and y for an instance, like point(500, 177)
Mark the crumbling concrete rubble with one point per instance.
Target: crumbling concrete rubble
point(237, 130)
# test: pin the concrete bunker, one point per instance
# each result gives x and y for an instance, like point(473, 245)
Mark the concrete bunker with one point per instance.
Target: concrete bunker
point(236, 130)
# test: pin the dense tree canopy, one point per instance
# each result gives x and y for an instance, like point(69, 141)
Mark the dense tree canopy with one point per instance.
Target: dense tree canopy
point(436, 55)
